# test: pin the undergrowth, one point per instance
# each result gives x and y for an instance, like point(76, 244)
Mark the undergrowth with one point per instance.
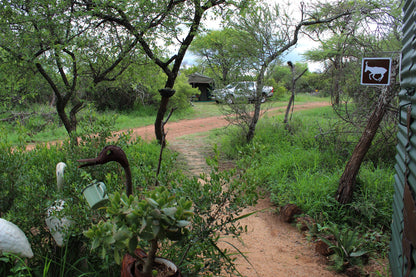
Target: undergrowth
point(28, 187)
point(298, 165)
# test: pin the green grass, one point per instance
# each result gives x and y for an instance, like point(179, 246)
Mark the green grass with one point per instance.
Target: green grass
point(35, 129)
point(302, 168)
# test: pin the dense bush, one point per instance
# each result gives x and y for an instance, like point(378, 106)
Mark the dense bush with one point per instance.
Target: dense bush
point(184, 91)
point(118, 98)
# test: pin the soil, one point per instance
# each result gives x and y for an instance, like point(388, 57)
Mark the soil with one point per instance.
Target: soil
point(199, 125)
point(273, 248)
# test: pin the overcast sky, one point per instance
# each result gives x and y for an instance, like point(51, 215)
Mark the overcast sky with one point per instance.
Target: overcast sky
point(295, 53)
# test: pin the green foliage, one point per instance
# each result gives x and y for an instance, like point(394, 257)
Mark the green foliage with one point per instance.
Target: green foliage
point(119, 98)
point(157, 216)
point(347, 247)
point(375, 191)
point(182, 97)
point(279, 91)
point(282, 75)
point(220, 51)
point(13, 266)
point(29, 188)
point(298, 166)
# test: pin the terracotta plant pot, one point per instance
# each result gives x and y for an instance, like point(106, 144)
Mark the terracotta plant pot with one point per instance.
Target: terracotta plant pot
point(164, 266)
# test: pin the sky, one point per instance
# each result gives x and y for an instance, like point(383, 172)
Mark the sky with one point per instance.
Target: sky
point(295, 54)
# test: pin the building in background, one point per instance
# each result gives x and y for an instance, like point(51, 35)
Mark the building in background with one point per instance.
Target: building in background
point(205, 85)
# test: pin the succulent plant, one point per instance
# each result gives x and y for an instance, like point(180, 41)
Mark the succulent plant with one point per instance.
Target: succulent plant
point(156, 216)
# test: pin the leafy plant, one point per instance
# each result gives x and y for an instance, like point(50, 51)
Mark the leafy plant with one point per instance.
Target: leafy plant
point(159, 215)
point(13, 265)
point(219, 199)
point(347, 247)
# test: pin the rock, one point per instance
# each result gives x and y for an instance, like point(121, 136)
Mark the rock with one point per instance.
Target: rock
point(289, 211)
point(354, 271)
point(305, 223)
point(323, 248)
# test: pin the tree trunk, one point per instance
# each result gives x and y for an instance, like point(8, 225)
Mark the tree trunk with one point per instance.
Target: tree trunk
point(159, 119)
point(338, 72)
point(166, 93)
point(257, 104)
point(293, 89)
point(289, 105)
point(255, 119)
point(347, 181)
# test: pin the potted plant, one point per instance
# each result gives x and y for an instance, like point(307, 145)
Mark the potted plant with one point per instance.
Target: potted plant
point(133, 221)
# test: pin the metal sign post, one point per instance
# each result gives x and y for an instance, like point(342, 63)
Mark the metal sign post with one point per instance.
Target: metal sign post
point(375, 71)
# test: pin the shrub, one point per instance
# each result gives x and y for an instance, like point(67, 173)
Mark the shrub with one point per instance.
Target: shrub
point(184, 91)
point(118, 98)
point(30, 188)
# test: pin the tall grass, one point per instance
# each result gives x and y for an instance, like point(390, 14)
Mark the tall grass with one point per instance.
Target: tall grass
point(298, 166)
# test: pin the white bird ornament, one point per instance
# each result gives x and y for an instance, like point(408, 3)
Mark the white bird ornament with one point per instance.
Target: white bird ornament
point(13, 240)
point(58, 226)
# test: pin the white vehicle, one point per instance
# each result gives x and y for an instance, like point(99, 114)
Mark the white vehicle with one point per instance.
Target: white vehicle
point(241, 91)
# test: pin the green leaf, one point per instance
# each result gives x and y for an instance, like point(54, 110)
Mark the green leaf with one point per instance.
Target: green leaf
point(117, 256)
point(122, 234)
point(103, 253)
point(152, 203)
point(170, 211)
point(358, 253)
point(182, 223)
point(95, 243)
point(146, 235)
point(132, 244)
point(144, 224)
point(156, 213)
point(155, 228)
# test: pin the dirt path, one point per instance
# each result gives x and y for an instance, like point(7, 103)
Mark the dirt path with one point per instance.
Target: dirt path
point(192, 126)
point(274, 248)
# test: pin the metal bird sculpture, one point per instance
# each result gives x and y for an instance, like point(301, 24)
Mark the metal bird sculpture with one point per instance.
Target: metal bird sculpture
point(108, 154)
point(13, 240)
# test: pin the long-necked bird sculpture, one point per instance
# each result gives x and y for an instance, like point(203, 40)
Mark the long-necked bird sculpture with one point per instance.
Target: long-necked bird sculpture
point(108, 154)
